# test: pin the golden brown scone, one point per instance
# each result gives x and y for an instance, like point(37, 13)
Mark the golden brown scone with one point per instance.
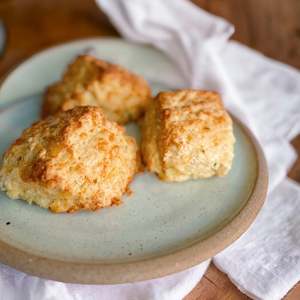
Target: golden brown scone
point(89, 81)
point(187, 134)
point(74, 160)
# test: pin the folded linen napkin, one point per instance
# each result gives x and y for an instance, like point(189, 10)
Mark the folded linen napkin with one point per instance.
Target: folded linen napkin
point(2, 38)
point(16, 285)
point(265, 262)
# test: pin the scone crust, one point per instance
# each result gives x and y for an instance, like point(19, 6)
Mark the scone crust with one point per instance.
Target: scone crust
point(74, 160)
point(122, 95)
point(187, 134)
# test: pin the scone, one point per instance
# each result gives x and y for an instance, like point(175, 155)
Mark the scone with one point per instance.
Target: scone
point(187, 134)
point(122, 95)
point(74, 160)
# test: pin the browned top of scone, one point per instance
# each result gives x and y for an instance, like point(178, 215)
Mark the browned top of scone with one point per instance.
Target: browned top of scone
point(92, 81)
point(78, 158)
point(200, 110)
point(186, 126)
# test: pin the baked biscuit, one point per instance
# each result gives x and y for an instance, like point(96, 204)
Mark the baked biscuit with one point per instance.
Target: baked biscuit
point(89, 81)
point(74, 160)
point(187, 134)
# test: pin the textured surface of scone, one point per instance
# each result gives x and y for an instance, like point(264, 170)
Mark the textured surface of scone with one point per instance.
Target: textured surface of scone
point(187, 134)
point(74, 160)
point(122, 95)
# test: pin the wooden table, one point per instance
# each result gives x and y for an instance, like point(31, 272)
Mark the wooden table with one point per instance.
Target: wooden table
point(270, 26)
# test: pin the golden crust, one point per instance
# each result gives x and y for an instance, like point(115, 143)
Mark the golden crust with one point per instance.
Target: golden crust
point(187, 134)
point(74, 160)
point(122, 95)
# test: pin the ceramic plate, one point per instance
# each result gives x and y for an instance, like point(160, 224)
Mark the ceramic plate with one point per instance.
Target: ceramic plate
point(161, 229)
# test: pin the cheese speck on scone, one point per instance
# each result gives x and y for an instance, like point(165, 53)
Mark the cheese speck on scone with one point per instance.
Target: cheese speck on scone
point(73, 160)
point(122, 95)
point(187, 134)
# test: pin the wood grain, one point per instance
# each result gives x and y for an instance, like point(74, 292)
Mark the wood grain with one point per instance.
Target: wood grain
point(270, 26)
point(33, 25)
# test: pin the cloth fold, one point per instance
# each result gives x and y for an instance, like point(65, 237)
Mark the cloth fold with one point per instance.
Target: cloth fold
point(16, 285)
point(162, 23)
point(265, 262)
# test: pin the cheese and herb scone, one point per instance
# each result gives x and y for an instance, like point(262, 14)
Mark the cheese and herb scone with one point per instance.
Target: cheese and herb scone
point(122, 95)
point(74, 160)
point(187, 134)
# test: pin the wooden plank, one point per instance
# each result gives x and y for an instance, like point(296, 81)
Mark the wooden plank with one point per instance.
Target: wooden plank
point(215, 285)
point(33, 25)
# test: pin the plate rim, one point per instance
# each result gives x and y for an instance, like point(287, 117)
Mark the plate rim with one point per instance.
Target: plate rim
point(150, 268)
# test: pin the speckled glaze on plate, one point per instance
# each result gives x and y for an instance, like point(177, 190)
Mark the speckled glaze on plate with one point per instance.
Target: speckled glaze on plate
point(161, 229)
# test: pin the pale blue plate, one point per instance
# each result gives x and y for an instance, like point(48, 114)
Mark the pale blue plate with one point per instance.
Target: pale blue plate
point(160, 229)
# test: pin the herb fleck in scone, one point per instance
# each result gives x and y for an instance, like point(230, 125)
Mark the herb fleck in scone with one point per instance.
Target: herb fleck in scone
point(187, 134)
point(74, 160)
point(122, 95)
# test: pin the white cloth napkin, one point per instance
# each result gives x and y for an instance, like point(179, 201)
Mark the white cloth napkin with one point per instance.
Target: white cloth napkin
point(265, 262)
point(16, 285)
